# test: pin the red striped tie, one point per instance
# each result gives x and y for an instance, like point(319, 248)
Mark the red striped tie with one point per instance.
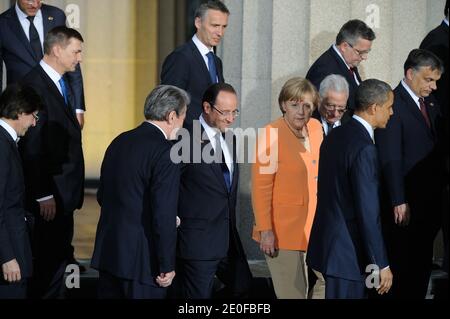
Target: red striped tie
point(423, 110)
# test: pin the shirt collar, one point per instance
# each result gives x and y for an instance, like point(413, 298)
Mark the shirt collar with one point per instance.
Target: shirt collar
point(9, 129)
point(164, 133)
point(51, 72)
point(210, 131)
point(204, 50)
point(410, 92)
point(22, 15)
point(446, 21)
point(368, 127)
point(340, 55)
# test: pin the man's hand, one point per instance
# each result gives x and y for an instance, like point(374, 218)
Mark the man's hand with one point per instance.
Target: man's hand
point(11, 271)
point(385, 281)
point(48, 209)
point(80, 118)
point(402, 214)
point(165, 279)
point(267, 244)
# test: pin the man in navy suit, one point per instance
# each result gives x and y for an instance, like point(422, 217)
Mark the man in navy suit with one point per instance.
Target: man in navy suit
point(412, 173)
point(18, 112)
point(53, 161)
point(346, 235)
point(194, 66)
point(22, 25)
point(136, 235)
point(208, 239)
point(353, 44)
point(332, 109)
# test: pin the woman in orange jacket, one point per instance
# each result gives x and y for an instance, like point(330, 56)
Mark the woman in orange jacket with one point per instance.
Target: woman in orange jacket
point(284, 186)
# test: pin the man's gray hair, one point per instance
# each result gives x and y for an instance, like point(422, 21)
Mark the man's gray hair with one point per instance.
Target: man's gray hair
point(371, 92)
point(163, 100)
point(333, 82)
point(211, 5)
point(354, 30)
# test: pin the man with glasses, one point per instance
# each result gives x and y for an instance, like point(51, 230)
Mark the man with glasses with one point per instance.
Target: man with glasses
point(333, 103)
point(18, 108)
point(208, 240)
point(353, 44)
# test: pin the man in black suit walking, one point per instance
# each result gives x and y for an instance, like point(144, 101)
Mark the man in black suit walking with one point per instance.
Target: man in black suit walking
point(194, 66)
point(136, 236)
point(208, 240)
point(353, 44)
point(332, 109)
point(22, 31)
point(412, 174)
point(18, 112)
point(53, 161)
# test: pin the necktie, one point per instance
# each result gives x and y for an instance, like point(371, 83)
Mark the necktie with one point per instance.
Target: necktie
point(34, 39)
point(330, 127)
point(223, 164)
point(212, 67)
point(64, 90)
point(352, 72)
point(423, 110)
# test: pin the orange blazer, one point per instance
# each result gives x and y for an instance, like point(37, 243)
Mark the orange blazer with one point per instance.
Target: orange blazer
point(284, 184)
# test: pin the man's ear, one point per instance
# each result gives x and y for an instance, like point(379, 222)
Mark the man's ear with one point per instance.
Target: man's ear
point(372, 109)
point(410, 74)
point(206, 107)
point(198, 22)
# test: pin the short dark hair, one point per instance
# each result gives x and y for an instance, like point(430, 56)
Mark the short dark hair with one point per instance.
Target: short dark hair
point(18, 99)
point(60, 35)
point(164, 99)
point(213, 91)
point(211, 5)
point(371, 91)
point(419, 58)
point(354, 30)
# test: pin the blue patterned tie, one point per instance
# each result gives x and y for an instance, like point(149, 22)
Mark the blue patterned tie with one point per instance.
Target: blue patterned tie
point(64, 90)
point(212, 67)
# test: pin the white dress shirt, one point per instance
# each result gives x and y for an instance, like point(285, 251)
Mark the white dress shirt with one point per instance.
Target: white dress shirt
point(204, 50)
point(10, 130)
point(368, 127)
point(411, 93)
point(348, 66)
point(25, 23)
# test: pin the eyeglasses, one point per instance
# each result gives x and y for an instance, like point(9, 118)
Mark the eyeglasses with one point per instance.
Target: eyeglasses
point(332, 107)
point(234, 113)
point(306, 107)
point(30, 2)
point(35, 116)
point(362, 54)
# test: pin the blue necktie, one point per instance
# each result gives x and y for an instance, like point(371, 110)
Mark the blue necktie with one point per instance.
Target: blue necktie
point(223, 164)
point(212, 67)
point(64, 90)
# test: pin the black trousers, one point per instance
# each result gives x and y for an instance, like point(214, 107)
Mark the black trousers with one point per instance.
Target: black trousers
point(13, 291)
point(112, 287)
point(50, 244)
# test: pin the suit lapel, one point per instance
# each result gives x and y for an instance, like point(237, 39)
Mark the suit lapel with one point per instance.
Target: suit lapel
point(344, 69)
point(54, 90)
point(47, 20)
point(200, 61)
point(17, 30)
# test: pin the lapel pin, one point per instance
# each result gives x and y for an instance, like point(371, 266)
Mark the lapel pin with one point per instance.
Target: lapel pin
point(50, 18)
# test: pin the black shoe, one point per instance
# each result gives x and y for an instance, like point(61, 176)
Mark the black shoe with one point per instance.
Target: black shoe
point(76, 262)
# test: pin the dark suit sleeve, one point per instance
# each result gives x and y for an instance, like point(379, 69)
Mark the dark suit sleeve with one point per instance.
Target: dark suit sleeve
point(316, 74)
point(6, 250)
point(37, 160)
point(364, 180)
point(165, 184)
point(175, 70)
point(389, 143)
point(1, 64)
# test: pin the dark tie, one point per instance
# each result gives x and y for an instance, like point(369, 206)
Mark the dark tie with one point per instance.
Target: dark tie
point(423, 110)
point(330, 127)
point(223, 164)
point(212, 67)
point(352, 72)
point(64, 90)
point(34, 40)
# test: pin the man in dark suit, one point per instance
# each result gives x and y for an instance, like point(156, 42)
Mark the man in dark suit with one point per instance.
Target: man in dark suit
point(194, 66)
point(412, 176)
point(353, 44)
point(22, 31)
point(18, 112)
point(332, 109)
point(135, 245)
point(346, 236)
point(437, 42)
point(53, 161)
point(208, 240)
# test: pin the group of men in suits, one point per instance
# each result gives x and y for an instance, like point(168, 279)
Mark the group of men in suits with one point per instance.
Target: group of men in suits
point(51, 153)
